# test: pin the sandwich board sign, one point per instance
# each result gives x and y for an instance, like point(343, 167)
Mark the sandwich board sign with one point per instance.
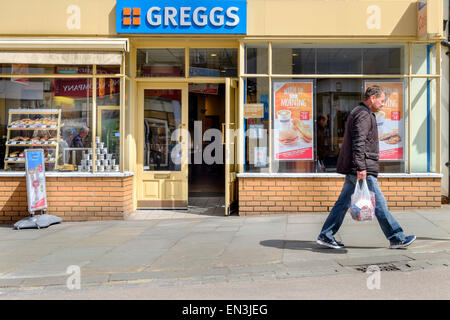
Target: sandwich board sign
point(36, 192)
point(35, 176)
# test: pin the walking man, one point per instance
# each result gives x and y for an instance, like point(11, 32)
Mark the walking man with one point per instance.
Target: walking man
point(358, 159)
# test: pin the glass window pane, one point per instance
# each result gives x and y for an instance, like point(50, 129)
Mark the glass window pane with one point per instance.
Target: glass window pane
point(382, 61)
point(44, 69)
point(160, 63)
point(162, 116)
point(213, 62)
point(108, 123)
point(72, 96)
point(109, 127)
point(291, 60)
point(339, 61)
point(108, 69)
point(256, 59)
point(255, 127)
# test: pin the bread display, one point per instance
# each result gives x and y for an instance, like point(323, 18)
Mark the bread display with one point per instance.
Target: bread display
point(36, 123)
point(42, 132)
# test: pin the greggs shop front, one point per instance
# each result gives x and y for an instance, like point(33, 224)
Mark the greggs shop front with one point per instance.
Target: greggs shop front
point(141, 105)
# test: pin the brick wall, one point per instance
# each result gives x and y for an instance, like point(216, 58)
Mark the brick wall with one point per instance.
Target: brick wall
point(71, 198)
point(259, 196)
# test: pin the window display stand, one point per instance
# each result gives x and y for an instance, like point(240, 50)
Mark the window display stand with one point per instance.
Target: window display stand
point(48, 123)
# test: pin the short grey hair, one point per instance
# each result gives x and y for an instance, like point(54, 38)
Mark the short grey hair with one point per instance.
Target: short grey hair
point(84, 129)
point(373, 91)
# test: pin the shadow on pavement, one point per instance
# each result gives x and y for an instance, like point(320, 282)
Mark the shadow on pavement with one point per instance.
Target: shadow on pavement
point(300, 245)
point(428, 238)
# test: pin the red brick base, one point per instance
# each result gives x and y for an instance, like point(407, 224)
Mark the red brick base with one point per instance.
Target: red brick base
point(260, 196)
point(71, 198)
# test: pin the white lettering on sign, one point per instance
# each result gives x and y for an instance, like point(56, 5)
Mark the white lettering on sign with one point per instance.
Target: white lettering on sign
point(374, 19)
point(203, 21)
point(212, 16)
point(233, 16)
point(184, 16)
point(150, 16)
point(199, 16)
point(74, 20)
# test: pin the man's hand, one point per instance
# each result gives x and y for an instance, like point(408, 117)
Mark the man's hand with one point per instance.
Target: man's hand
point(361, 175)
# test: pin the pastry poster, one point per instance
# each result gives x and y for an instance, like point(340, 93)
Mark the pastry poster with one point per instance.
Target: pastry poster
point(293, 120)
point(35, 177)
point(391, 121)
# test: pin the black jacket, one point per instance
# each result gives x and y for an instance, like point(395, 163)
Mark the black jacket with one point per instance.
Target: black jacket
point(360, 147)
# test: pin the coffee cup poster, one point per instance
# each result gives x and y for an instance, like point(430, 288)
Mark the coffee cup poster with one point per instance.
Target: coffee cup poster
point(390, 121)
point(293, 120)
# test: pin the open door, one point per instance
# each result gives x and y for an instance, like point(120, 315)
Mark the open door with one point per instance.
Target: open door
point(162, 166)
point(230, 137)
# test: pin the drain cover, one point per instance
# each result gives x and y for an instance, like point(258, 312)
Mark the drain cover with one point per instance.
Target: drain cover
point(382, 267)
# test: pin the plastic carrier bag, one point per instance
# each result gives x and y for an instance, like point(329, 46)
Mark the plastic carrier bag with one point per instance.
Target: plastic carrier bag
point(362, 207)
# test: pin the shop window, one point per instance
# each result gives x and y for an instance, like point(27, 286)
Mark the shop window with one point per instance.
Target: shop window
point(55, 114)
point(256, 59)
point(108, 122)
point(309, 127)
point(44, 69)
point(382, 61)
point(162, 117)
point(291, 60)
point(300, 59)
point(160, 63)
point(339, 61)
point(256, 124)
point(213, 62)
point(28, 121)
point(108, 70)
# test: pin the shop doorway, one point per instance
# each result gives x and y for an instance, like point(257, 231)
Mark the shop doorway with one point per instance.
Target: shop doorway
point(206, 174)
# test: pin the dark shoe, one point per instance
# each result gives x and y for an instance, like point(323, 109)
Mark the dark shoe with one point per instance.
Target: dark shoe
point(402, 244)
point(325, 242)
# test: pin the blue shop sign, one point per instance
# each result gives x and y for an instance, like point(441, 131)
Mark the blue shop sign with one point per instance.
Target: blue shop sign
point(181, 16)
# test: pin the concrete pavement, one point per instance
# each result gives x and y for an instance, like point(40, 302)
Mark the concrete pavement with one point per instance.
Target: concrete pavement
point(207, 249)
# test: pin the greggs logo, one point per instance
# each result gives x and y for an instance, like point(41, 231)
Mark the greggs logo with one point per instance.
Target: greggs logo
point(131, 16)
point(182, 16)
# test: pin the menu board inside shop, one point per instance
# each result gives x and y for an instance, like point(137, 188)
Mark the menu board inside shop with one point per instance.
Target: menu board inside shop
point(293, 120)
point(391, 120)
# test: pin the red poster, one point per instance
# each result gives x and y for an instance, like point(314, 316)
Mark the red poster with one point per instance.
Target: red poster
point(390, 121)
point(293, 120)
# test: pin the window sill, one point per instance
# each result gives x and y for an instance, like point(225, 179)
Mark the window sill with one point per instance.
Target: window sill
point(72, 174)
point(335, 175)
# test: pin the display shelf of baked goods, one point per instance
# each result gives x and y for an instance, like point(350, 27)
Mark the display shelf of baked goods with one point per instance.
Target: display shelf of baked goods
point(46, 131)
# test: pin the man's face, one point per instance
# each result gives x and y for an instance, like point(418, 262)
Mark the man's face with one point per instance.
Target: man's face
point(377, 103)
point(84, 134)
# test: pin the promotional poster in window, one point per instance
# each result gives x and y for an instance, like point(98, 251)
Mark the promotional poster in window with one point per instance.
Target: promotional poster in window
point(293, 120)
point(390, 121)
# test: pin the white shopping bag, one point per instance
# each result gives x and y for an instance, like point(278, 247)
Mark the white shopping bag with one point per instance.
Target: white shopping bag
point(362, 206)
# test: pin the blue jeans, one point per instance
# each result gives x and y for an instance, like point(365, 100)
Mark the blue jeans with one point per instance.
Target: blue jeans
point(388, 224)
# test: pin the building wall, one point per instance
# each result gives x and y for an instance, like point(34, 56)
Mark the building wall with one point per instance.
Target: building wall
point(260, 196)
point(265, 17)
point(71, 198)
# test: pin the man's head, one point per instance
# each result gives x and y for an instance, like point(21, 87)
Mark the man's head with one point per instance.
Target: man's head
point(84, 131)
point(375, 98)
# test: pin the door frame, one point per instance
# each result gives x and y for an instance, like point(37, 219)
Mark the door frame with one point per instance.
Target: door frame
point(231, 144)
point(159, 178)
